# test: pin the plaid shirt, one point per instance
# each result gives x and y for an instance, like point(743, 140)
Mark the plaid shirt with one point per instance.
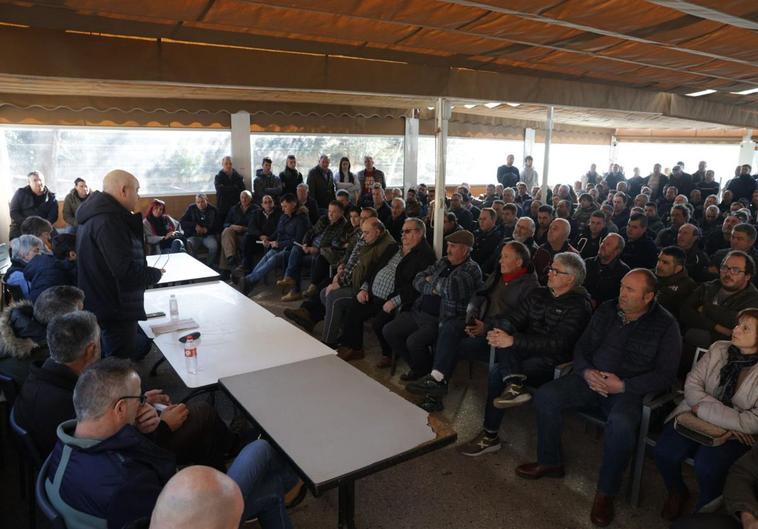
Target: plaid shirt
point(456, 289)
point(347, 275)
point(384, 280)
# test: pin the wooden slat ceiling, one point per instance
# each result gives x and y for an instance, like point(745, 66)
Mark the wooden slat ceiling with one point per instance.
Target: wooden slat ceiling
point(673, 46)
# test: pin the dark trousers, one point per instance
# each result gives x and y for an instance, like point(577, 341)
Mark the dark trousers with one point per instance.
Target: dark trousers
point(352, 331)
point(251, 252)
point(410, 335)
point(707, 521)
point(512, 361)
point(453, 343)
point(711, 463)
point(319, 270)
point(124, 339)
point(622, 413)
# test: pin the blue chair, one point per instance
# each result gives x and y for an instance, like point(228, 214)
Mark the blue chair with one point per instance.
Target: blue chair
point(29, 463)
point(43, 502)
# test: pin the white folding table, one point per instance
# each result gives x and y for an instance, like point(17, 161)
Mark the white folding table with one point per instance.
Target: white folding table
point(237, 334)
point(181, 268)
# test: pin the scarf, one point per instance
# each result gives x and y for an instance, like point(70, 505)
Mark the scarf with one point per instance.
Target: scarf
point(730, 373)
point(159, 224)
point(507, 278)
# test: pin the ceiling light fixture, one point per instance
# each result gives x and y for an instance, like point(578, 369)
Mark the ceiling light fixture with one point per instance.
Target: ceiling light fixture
point(702, 93)
point(469, 106)
point(746, 92)
point(492, 105)
point(514, 105)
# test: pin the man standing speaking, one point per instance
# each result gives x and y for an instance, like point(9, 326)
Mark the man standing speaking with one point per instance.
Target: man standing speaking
point(112, 270)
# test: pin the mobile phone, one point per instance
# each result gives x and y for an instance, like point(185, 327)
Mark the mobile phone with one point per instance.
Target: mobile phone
point(160, 407)
point(155, 315)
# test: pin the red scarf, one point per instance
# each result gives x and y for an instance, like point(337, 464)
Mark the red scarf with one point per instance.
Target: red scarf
point(507, 278)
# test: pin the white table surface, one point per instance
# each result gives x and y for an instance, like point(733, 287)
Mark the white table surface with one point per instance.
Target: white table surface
point(181, 267)
point(237, 335)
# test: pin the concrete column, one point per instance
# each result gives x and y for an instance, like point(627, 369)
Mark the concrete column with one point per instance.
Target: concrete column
point(529, 140)
point(241, 155)
point(548, 142)
point(410, 152)
point(441, 117)
point(747, 149)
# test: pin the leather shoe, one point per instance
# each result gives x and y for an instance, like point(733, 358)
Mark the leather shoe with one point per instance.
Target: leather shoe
point(602, 510)
point(385, 362)
point(537, 471)
point(410, 375)
point(674, 505)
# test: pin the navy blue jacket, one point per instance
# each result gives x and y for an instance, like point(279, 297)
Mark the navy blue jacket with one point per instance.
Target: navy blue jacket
point(45, 271)
point(644, 353)
point(112, 270)
point(291, 228)
point(117, 480)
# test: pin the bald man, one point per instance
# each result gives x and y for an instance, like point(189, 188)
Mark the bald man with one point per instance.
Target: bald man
point(199, 497)
point(112, 269)
point(557, 242)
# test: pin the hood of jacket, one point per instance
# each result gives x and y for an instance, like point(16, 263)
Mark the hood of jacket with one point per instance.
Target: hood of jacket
point(20, 332)
point(99, 203)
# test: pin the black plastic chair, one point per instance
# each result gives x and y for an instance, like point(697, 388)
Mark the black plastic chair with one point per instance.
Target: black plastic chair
point(29, 464)
point(8, 392)
point(43, 502)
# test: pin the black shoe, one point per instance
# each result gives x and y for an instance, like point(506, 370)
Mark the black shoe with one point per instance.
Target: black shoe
point(243, 286)
point(431, 404)
point(410, 375)
point(427, 386)
point(301, 317)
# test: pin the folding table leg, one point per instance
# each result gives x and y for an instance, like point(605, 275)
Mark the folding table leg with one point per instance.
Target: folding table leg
point(346, 505)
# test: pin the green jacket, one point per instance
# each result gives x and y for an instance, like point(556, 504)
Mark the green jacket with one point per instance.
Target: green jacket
point(369, 254)
point(70, 204)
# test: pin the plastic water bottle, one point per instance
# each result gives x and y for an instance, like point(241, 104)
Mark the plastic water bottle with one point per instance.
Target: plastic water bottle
point(190, 355)
point(173, 307)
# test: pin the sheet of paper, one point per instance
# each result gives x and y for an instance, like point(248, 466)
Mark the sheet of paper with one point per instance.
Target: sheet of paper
point(173, 326)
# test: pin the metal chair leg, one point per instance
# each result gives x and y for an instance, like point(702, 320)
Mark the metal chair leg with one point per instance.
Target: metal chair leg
point(639, 457)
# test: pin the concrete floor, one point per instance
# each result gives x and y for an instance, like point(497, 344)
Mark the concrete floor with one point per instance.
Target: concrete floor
point(442, 489)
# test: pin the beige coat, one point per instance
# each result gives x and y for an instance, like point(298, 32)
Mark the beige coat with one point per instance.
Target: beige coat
point(701, 385)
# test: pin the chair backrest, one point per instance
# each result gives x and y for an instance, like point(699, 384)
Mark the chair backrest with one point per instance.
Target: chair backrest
point(5, 258)
point(26, 441)
point(43, 502)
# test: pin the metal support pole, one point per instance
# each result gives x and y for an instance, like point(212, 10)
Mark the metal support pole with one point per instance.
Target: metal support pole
point(548, 141)
point(410, 152)
point(441, 117)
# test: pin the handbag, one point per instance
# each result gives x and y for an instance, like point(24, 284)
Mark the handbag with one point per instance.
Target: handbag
point(700, 431)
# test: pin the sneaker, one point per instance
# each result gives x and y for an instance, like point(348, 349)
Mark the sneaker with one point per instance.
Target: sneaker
point(295, 495)
point(292, 296)
point(311, 291)
point(481, 444)
point(431, 404)
point(513, 395)
point(427, 386)
point(301, 317)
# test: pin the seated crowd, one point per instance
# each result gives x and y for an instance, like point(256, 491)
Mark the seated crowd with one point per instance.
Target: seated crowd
point(612, 283)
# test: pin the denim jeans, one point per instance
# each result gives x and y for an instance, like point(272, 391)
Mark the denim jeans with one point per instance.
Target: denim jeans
point(622, 413)
point(297, 259)
point(271, 259)
point(264, 479)
point(209, 241)
point(711, 463)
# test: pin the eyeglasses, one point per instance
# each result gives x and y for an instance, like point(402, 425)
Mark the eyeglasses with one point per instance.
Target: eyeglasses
point(556, 271)
point(408, 231)
point(142, 398)
point(731, 269)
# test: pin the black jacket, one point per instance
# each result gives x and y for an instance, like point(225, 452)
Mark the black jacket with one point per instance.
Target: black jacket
point(238, 217)
point(724, 314)
point(603, 281)
point(112, 270)
point(673, 290)
point(25, 204)
point(228, 189)
point(697, 265)
point(742, 187)
point(312, 207)
point(24, 340)
point(321, 186)
point(290, 179)
point(260, 224)
point(46, 400)
point(644, 353)
point(485, 244)
point(418, 259)
point(588, 245)
point(642, 253)
point(547, 326)
point(514, 295)
point(508, 176)
point(210, 218)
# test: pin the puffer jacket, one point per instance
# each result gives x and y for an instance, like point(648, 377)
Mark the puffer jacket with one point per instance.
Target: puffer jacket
point(723, 314)
point(112, 270)
point(455, 290)
point(515, 294)
point(70, 204)
point(24, 341)
point(291, 228)
point(45, 271)
point(643, 353)
point(701, 386)
point(544, 325)
point(23, 205)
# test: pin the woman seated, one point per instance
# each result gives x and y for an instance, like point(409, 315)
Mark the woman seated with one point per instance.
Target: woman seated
point(163, 233)
point(23, 249)
point(722, 389)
